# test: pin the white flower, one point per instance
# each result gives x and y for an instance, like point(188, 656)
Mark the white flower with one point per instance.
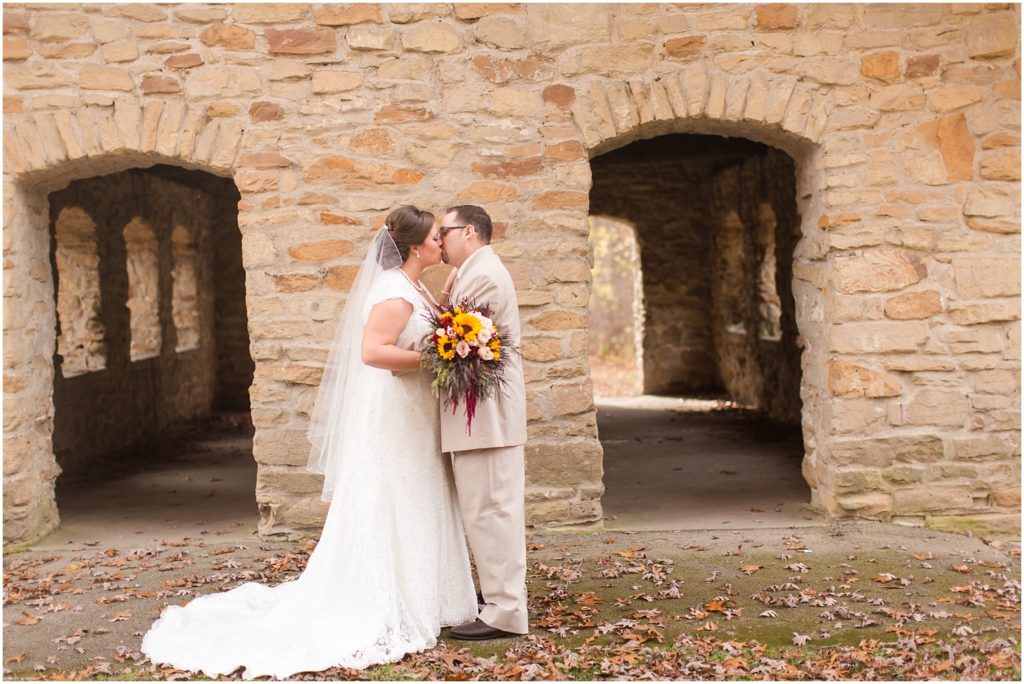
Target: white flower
point(485, 335)
point(441, 332)
point(485, 321)
point(486, 354)
point(449, 331)
point(462, 348)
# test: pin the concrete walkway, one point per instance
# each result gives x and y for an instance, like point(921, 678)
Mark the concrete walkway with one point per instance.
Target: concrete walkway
point(691, 464)
point(670, 464)
point(201, 483)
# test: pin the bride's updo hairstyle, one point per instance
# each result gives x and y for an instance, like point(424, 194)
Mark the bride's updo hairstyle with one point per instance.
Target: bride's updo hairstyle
point(408, 226)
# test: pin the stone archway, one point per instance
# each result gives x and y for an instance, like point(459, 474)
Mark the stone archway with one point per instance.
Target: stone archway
point(43, 154)
point(784, 113)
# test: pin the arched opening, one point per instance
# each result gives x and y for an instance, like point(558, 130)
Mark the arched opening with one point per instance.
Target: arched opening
point(713, 438)
point(151, 426)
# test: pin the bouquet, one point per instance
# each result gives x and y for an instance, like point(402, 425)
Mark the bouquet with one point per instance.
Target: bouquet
point(467, 355)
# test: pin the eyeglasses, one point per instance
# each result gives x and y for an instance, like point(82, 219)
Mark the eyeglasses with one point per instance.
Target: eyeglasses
point(444, 230)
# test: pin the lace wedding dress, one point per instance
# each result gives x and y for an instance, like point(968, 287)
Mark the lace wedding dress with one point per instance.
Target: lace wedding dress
point(391, 567)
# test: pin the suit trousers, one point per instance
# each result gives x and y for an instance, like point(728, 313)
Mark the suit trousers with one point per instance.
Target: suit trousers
point(490, 484)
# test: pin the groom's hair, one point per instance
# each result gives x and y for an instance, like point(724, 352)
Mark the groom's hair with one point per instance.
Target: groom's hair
point(472, 214)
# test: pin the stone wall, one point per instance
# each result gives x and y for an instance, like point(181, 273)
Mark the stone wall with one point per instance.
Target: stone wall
point(902, 121)
point(234, 364)
point(754, 229)
point(136, 395)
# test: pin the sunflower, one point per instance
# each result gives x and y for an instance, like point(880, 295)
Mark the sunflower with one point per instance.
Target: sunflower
point(467, 326)
point(495, 346)
point(446, 348)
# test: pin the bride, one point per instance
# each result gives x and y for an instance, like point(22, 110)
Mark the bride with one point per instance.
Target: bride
point(391, 567)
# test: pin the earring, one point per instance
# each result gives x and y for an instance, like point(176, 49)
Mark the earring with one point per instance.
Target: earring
point(417, 253)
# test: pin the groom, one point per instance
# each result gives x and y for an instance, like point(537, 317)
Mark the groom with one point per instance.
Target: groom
point(489, 464)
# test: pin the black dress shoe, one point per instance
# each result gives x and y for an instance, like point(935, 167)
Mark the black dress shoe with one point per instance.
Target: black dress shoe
point(479, 630)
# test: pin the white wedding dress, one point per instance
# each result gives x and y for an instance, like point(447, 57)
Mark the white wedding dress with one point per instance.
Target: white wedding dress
point(391, 567)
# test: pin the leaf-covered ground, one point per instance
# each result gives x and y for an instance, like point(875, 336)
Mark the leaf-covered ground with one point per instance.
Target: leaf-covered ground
point(854, 601)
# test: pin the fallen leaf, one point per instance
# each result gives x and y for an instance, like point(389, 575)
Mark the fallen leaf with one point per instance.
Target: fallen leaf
point(28, 620)
point(715, 606)
point(14, 659)
point(750, 569)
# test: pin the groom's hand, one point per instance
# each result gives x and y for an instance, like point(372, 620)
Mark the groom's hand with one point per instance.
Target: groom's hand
point(449, 283)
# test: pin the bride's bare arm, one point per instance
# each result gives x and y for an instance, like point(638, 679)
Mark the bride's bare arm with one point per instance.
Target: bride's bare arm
point(386, 322)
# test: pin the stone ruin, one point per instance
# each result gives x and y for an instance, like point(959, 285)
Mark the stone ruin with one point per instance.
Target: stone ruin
point(826, 200)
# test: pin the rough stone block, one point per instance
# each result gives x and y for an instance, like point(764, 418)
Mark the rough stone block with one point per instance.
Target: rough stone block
point(850, 380)
point(992, 35)
point(329, 81)
point(878, 337)
point(349, 15)
point(878, 270)
point(885, 451)
point(564, 463)
point(991, 275)
point(884, 66)
point(301, 41)
point(983, 447)
point(914, 305)
point(934, 407)
point(431, 37)
point(500, 32)
point(933, 497)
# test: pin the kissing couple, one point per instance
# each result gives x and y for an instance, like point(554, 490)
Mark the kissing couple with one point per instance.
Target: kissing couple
point(406, 481)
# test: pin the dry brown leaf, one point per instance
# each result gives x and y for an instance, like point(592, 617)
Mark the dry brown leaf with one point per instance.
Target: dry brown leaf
point(1003, 660)
point(736, 663)
point(28, 620)
point(750, 568)
point(14, 659)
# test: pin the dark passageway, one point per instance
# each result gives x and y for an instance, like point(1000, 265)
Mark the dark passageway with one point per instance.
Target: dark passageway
point(698, 382)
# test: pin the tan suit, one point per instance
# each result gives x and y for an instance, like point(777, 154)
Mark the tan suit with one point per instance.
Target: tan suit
point(489, 464)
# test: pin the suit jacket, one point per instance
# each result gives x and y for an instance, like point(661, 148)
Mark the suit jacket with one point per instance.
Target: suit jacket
point(500, 420)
